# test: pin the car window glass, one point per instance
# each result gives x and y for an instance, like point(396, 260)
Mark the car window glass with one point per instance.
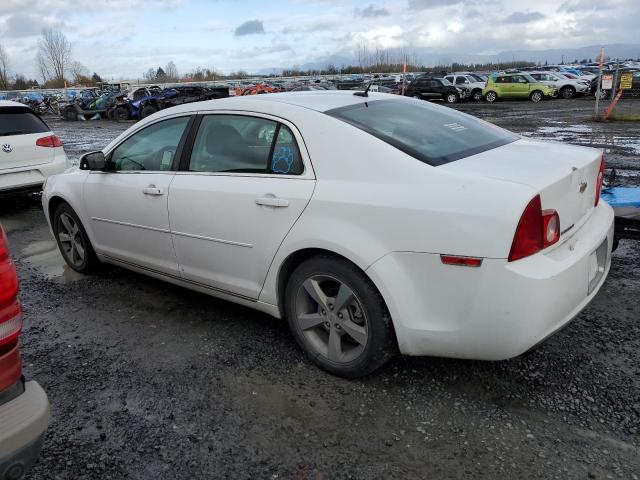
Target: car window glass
point(450, 78)
point(20, 121)
point(436, 83)
point(286, 159)
point(233, 143)
point(503, 80)
point(460, 80)
point(432, 135)
point(152, 148)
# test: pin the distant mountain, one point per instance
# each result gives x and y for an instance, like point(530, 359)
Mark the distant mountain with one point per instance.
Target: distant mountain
point(431, 57)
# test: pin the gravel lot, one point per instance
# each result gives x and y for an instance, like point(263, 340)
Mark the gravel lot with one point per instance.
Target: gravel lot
point(150, 381)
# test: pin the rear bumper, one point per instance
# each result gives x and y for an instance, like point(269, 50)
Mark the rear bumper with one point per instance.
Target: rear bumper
point(496, 311)
point(23, 422)
point(15, 180)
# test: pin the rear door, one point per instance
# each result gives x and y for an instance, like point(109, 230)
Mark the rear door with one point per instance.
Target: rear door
point(20, 129)
point(246, 182)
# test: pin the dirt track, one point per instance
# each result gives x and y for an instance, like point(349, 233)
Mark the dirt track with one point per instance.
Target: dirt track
point(150, 381)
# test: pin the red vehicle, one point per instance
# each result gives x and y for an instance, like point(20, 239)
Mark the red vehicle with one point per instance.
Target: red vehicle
point(24, 407)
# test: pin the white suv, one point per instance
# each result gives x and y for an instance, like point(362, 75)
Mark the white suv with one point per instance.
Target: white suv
point(567, 88)
point(29, 151)
point(472, 84)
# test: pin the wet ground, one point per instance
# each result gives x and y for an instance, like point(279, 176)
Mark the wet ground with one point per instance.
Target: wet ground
point(150, 381)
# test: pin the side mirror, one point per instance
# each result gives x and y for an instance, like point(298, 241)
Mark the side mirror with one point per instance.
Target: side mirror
point(93, 161)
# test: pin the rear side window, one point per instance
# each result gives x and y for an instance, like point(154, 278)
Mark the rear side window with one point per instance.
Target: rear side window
point(20, 121)
point(434, 135)
point(244, 144)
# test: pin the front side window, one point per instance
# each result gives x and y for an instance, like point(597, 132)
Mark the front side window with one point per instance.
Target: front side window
point(436, 84)
point(431, 134)
point(460, 80)
point(243, 144)
point(152, 148)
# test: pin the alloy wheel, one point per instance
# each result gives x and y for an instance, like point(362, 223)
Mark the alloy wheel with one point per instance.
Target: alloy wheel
point(491, 97)
point(331, 318)
point(71, 241)
point(451, 98)
point(536, 96)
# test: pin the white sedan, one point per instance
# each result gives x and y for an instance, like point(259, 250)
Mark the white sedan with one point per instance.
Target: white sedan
point(29, 151)
point(371, 223)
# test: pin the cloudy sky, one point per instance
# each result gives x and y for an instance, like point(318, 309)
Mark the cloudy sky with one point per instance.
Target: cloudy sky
point(123, 38)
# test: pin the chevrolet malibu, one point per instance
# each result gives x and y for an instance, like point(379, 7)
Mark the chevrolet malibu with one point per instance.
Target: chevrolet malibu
point(373, 223)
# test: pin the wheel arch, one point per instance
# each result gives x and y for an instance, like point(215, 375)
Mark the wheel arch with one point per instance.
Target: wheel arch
point(296, 258)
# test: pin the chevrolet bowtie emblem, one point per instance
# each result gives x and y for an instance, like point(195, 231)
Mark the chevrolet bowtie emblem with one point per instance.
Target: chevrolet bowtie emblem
point(583, 187)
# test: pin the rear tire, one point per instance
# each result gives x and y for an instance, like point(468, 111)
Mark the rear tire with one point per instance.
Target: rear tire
point(491, 97)
point(451, 98)
point(536, 96)
point(73, 241)
point(476, 95)
point(338, 317)
point(148, 110)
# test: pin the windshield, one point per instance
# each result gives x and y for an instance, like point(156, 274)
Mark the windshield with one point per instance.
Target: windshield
point(434, 135)
point(529, 78)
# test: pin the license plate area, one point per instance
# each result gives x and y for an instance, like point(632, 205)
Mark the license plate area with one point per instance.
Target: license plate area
point(597, 265)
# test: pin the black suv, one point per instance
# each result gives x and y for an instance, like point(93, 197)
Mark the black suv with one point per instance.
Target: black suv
point(434, 88)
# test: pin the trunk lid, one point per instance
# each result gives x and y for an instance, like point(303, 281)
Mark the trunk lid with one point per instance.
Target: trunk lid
point(564, 175)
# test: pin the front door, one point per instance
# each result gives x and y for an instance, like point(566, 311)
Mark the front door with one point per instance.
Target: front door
point(128, 205)
point(245, 185)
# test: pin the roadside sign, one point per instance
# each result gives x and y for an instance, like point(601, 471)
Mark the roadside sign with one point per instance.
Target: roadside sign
point(607, 82)
point(626, 80)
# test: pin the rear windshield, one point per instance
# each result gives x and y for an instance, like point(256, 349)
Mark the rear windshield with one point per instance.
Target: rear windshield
point(434, 135)
point(20, 121)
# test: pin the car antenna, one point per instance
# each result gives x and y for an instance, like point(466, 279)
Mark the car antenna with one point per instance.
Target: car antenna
point(366, 91)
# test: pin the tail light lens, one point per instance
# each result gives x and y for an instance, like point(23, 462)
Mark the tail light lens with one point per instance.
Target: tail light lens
point(10, 318)
point(599, 180)
point(536, 230)
point(52, 141)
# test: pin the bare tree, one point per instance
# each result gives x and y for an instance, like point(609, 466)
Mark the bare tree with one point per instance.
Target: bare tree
point(54, 55)
point(171, 72)
point(79, 72)
point(4, 74)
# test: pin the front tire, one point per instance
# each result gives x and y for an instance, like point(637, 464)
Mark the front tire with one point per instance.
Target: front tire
point(121, 114)
point(536, 96)
point(73, 241)
point(338, 317)
point(567, 92)
point(476, 95)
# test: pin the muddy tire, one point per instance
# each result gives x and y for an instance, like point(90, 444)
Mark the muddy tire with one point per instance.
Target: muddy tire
point(338, 317)
point(536, 96)
point(491, 97)
point(73, 241)
point(148, 110)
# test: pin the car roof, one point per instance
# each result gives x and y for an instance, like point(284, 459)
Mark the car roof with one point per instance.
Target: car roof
point(10, 103)
point(318, 100)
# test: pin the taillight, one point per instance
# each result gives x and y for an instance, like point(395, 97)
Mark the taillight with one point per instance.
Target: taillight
point(599, 180)
point(536, 230)
point(10, 318)
point(52, 141)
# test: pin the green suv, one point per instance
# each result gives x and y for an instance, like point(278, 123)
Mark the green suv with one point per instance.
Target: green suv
point(516, 85)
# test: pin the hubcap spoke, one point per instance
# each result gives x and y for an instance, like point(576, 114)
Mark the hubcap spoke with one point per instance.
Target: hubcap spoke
point(79, 250)
point(66, 221)
point(355, 331)
point(64, 237)
point(315, 292)
point(335, 345)
point(344, 297)
point(308, 321)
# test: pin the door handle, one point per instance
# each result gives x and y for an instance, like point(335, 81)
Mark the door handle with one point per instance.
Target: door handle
point(272, 201)
point(152, 190)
